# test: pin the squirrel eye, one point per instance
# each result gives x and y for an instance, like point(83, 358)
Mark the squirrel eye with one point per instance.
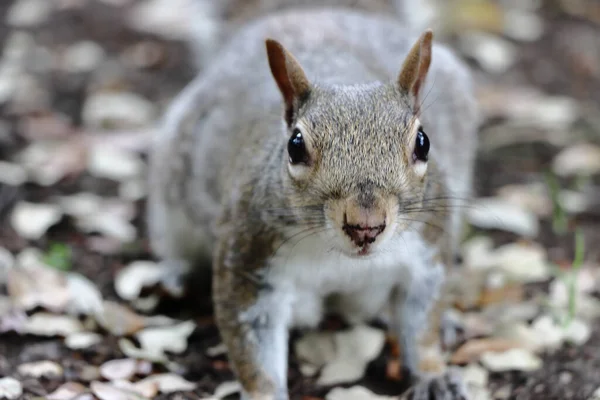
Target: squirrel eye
point(297, 148)
point(421, 147)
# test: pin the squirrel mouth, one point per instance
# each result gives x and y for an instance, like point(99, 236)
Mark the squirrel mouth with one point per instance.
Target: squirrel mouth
point(364, 250)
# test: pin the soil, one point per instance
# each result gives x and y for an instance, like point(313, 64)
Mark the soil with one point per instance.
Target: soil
point(570, 373)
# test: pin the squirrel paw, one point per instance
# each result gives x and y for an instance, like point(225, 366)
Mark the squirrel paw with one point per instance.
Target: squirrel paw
point(448, 386)
point(173, 276)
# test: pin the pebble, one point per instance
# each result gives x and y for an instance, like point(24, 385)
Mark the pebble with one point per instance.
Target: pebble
point(171, 19)
point(28, 13)
point(10, 388)
point(83, 56)
point(122, 109)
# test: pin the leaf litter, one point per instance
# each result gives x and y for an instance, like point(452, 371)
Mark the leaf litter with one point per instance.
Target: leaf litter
point(504, 327)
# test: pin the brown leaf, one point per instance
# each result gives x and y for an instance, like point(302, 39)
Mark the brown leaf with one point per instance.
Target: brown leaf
point(473, 349)
point(67, 391)
point(118, 319)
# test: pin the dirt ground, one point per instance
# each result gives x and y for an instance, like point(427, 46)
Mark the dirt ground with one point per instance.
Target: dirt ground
point(561, 63)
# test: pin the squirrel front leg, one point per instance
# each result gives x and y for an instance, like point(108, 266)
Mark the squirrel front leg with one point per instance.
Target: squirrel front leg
point(252, 318)
point(418, 309)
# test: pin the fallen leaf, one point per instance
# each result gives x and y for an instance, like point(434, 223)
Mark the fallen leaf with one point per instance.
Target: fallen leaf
point(476, 380)
point(49, 161)
point(511, 360)
point(472, 350)
point(533, 198)
point(39, 369)
point(523, 25)
point(118, 369)
point(106, 391)
point(130, 350)
point(226, 389)
point(316, 348)
point(130, 281)
point(82, 340)
point(32, 285)
point(173, 338)
point(12, 174)
point(118, 319)
point(32, 220)
point(577, 332)
point(221, 349)
point(115, 109)
point(496, 213)
point(7, 261)
point(28, 13)
point(44, 324)
point(354, 393)
point(355, 348)
point(10, 388)
point(67, 391)
point(493, 53)
point(168, 383)
point(84, 296)
point(579, 159)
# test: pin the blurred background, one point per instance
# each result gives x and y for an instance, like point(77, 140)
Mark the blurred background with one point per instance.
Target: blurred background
point(82, 85)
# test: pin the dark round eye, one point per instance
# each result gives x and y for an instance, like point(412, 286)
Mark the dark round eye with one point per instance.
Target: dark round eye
point(297, 148)
point(422, 146)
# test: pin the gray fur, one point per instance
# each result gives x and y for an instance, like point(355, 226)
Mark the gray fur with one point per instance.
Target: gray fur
point(220, 188)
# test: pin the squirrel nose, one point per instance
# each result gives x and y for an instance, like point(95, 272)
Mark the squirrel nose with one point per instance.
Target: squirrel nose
point(362, 235)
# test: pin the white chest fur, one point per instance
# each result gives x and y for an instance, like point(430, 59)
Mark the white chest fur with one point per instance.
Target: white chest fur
point(305, 272)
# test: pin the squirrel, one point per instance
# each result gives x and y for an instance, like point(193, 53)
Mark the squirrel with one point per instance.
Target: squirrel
point(216, 21)
point(319, 163)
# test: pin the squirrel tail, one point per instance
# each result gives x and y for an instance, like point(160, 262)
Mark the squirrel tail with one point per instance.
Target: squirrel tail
point(208, 30)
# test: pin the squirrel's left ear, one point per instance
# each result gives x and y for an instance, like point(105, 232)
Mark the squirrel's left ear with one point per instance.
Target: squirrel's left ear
point(415, 67)
point(290, 77)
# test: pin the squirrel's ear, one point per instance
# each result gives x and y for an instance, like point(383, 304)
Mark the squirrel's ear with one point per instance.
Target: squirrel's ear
point(288, 74)
point(415, 67)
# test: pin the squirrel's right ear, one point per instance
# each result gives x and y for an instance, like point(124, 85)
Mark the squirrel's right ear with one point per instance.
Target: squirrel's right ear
point(290, 77)
point(415, 68)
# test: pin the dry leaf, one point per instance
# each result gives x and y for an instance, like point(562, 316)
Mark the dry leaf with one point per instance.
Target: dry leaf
point(496, 213)
point(472, 350)
point(168, 383)
point(106, 391)
point(38, 369)
point(82, 340)
point(10, 388)
point(84, 296)
point(118, 319)
point(67, 391)
point(511, 360)
point(44, 324)
point(157, 340)
point(130, 281)
point(118, 369)
point(355, 348)
point(32, 220)
point(579, 159)
point(354, 393)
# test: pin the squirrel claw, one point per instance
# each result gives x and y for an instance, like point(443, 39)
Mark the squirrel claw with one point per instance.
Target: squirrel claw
point(448, 386)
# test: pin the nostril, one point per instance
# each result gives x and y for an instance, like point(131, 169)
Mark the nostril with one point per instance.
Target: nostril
point(363, 234)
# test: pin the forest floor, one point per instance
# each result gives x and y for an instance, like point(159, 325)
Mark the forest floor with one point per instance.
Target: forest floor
point(83, 316)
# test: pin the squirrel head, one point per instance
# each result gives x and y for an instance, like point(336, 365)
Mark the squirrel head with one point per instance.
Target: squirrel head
point(357, 154)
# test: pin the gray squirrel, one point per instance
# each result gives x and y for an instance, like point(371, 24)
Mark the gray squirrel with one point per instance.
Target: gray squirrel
point(216, 21)
point(320, 163)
